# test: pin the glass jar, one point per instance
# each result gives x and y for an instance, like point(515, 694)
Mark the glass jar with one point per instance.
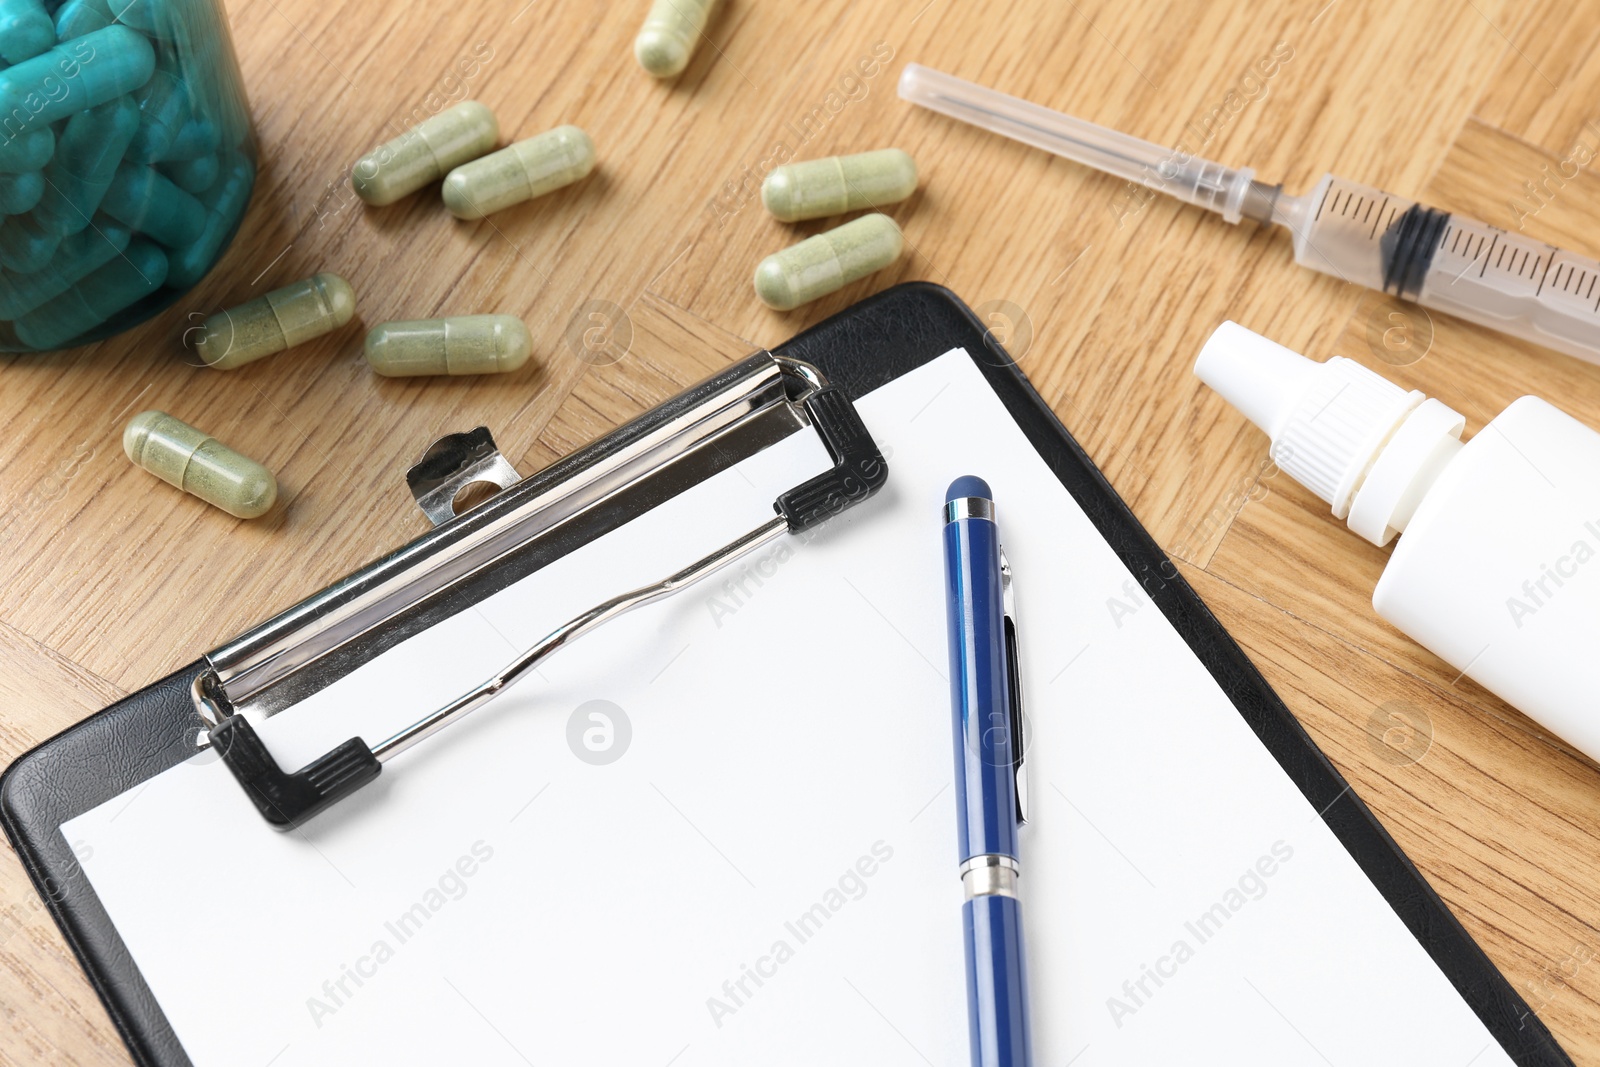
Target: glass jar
point(127, 160)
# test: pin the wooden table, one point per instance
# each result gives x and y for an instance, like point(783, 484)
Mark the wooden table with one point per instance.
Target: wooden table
point(636, 282)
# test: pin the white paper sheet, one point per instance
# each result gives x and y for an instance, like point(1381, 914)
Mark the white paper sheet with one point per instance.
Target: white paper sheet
point(766, 874)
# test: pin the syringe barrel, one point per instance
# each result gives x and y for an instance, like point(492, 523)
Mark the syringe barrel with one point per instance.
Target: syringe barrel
point(1166, 170)
point(1447, 262)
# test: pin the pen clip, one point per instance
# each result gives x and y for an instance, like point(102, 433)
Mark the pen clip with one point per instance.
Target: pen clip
point(1014, 685)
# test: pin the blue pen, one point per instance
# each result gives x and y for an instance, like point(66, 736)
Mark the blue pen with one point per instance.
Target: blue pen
point(991, 799)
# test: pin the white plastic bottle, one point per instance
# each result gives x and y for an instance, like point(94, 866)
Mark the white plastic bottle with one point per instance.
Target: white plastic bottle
point(1498, 573)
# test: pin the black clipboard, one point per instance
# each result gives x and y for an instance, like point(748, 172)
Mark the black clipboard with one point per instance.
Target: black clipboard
point(859, 349)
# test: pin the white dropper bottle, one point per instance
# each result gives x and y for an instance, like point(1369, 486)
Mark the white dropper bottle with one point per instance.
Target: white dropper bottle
point(1498, 573)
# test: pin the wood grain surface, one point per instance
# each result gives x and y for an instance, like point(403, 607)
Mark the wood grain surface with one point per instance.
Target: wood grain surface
point(636, 282)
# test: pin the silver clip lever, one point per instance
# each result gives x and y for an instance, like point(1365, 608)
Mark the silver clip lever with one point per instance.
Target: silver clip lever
point(286, 800)
point(1019, 740)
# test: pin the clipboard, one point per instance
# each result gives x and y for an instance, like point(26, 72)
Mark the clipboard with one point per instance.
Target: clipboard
point(538, 519)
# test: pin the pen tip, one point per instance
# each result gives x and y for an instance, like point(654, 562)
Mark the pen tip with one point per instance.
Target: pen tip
point(968, 485)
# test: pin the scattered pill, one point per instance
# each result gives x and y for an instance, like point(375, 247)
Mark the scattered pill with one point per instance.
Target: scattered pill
point(25, 30)
point(466, 344)
point(76, 258)
point(125, 280)
point(224, 204)
point(521, 172)
point(193, 175)
point(20, 192)
point(28, 150)
point(281, 319)
point(74, 75)
point(667, 40)
point(91, 146)
point(142, 198)
point(818, 188)
point(26, 246)
point(425, 153)
point(199, 464)
point(827, 262)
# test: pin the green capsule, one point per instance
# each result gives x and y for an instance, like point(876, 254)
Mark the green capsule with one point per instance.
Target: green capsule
point(425, 153)
point(142, 198)
point(199, 464)
point(193, 175)
point(74, 75)
point(91, 147)
point(827, 262)
point(466, 344)
point(29, 150)
point(225, 204)
point(26, 246)
point(124, 281)
point(25, 30)
point(521, 172)
point(818, 188)
point(282, 319)
point(667, 40)
point(77, 257)
point(20, 192)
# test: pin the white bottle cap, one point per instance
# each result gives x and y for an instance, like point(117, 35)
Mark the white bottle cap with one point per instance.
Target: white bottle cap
point(1357, 440)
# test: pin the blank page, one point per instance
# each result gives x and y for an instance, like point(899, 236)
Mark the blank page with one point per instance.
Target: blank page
point(720, 830)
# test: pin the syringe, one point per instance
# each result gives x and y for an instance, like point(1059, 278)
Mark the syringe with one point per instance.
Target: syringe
point(1447, 262)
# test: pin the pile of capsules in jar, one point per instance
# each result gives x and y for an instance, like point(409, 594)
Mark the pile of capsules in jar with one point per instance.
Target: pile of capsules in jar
point(126, 162)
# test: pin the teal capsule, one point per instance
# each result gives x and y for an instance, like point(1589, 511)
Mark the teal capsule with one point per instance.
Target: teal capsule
point(25, 30)
point(121, 283)
point(91, 147)
point(20, 192)
point(193, 175)
point(527, 169)
point(74, 75)
point(26, 246)
point(76, 258)
point(200, 465)
point(29, 150)
point(827, 262)
point(425, 153)
point(142, 198)
point(464, 344)
point(197, 137)
point(153, 18)
point(837, 185)
point(225, 204)
point(78, 17)
point(163, 111)
point(667, 40)
point(277, 321)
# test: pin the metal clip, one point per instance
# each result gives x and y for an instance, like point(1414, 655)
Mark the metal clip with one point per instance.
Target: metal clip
point(1014, 672)
point(287, 799)
point(452, 463)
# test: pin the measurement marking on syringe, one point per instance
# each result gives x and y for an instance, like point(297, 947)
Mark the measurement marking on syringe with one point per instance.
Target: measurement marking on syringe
point(1493, 241)
point(1547, 261)
point(1374, 231)
point(1368, 215)
point(1325, 194)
